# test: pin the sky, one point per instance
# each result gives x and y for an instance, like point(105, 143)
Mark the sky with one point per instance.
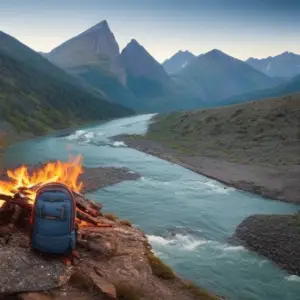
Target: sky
point(241, 28)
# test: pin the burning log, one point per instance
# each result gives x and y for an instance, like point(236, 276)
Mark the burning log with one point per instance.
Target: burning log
point(17, 199)
point(86, 217)
point(87, 206)
point(15, 204)
point(18, 191)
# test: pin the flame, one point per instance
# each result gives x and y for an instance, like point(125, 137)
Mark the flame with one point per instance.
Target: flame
point(62, 172)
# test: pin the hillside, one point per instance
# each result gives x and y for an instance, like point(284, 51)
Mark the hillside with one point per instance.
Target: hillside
point(252, 146)
point(216, 75)
point(265, 132)
point(286, 64)
point(37, 97)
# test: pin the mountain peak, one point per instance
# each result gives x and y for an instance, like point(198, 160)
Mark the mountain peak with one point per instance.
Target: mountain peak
point(103, 25)
point(139, 63)
point(216, 52)
point(91, 47)
point(178, 61)
point(134, 43)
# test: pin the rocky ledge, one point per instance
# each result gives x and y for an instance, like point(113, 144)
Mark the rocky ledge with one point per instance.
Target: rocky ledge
point(111, 261)
point(276, 237)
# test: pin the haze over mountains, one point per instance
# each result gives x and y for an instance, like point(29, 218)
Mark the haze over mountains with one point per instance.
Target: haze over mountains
point(135, 79)
point(85, 75)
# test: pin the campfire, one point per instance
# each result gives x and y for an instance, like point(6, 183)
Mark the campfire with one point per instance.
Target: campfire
point(17, 194)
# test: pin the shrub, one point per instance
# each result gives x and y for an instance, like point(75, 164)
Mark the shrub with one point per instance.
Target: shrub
point(126, 223)
point(159, 268)
point(197, 292)
point(111, 217)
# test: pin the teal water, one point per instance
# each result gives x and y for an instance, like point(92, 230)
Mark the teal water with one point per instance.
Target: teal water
point(187, 217)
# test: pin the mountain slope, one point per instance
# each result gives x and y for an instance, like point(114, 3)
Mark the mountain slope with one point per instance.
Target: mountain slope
point(37, 97)
point(94, 56)
point(289, 87)
point(97, 45)
point(139, 63)
point(178, 61)
point(216, 75)
point(148, 80)
point(286, 64)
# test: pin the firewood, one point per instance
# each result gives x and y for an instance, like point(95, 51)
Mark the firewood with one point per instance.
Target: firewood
point(17, 199)
point(86, 205)
point(16, 215)
point(86, 217)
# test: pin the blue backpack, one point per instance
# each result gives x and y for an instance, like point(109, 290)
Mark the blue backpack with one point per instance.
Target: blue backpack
point(53, 220)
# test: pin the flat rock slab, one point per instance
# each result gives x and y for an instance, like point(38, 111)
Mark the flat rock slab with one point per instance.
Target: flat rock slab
point(24, 271)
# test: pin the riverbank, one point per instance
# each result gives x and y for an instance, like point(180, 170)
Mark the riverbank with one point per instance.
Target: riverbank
point(114, 262)
point(273, 183)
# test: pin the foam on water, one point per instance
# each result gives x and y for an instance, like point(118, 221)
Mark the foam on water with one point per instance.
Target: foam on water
point(183, 242)
point(119, 144)
point(218, 187)
point(294, 278)
point(75, 135)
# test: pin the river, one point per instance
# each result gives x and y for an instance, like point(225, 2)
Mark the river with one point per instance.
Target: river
point(187, 217)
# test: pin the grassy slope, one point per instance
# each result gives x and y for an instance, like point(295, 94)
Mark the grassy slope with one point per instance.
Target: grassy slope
point(262, 133)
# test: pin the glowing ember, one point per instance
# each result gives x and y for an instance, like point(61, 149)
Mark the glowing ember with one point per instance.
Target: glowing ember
point(61, 172)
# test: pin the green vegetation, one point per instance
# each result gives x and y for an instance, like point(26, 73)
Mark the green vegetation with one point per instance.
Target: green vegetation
point(265, 132)
point(37, 97)
point(163, 271)
point(125, 223)
point(159, 268)
point(111, 217)
point(198, 293)
point(126, 292)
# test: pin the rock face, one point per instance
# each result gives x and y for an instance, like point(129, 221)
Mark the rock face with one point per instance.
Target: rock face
point(139, 63)
point(276, 237)
point(95, 46)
